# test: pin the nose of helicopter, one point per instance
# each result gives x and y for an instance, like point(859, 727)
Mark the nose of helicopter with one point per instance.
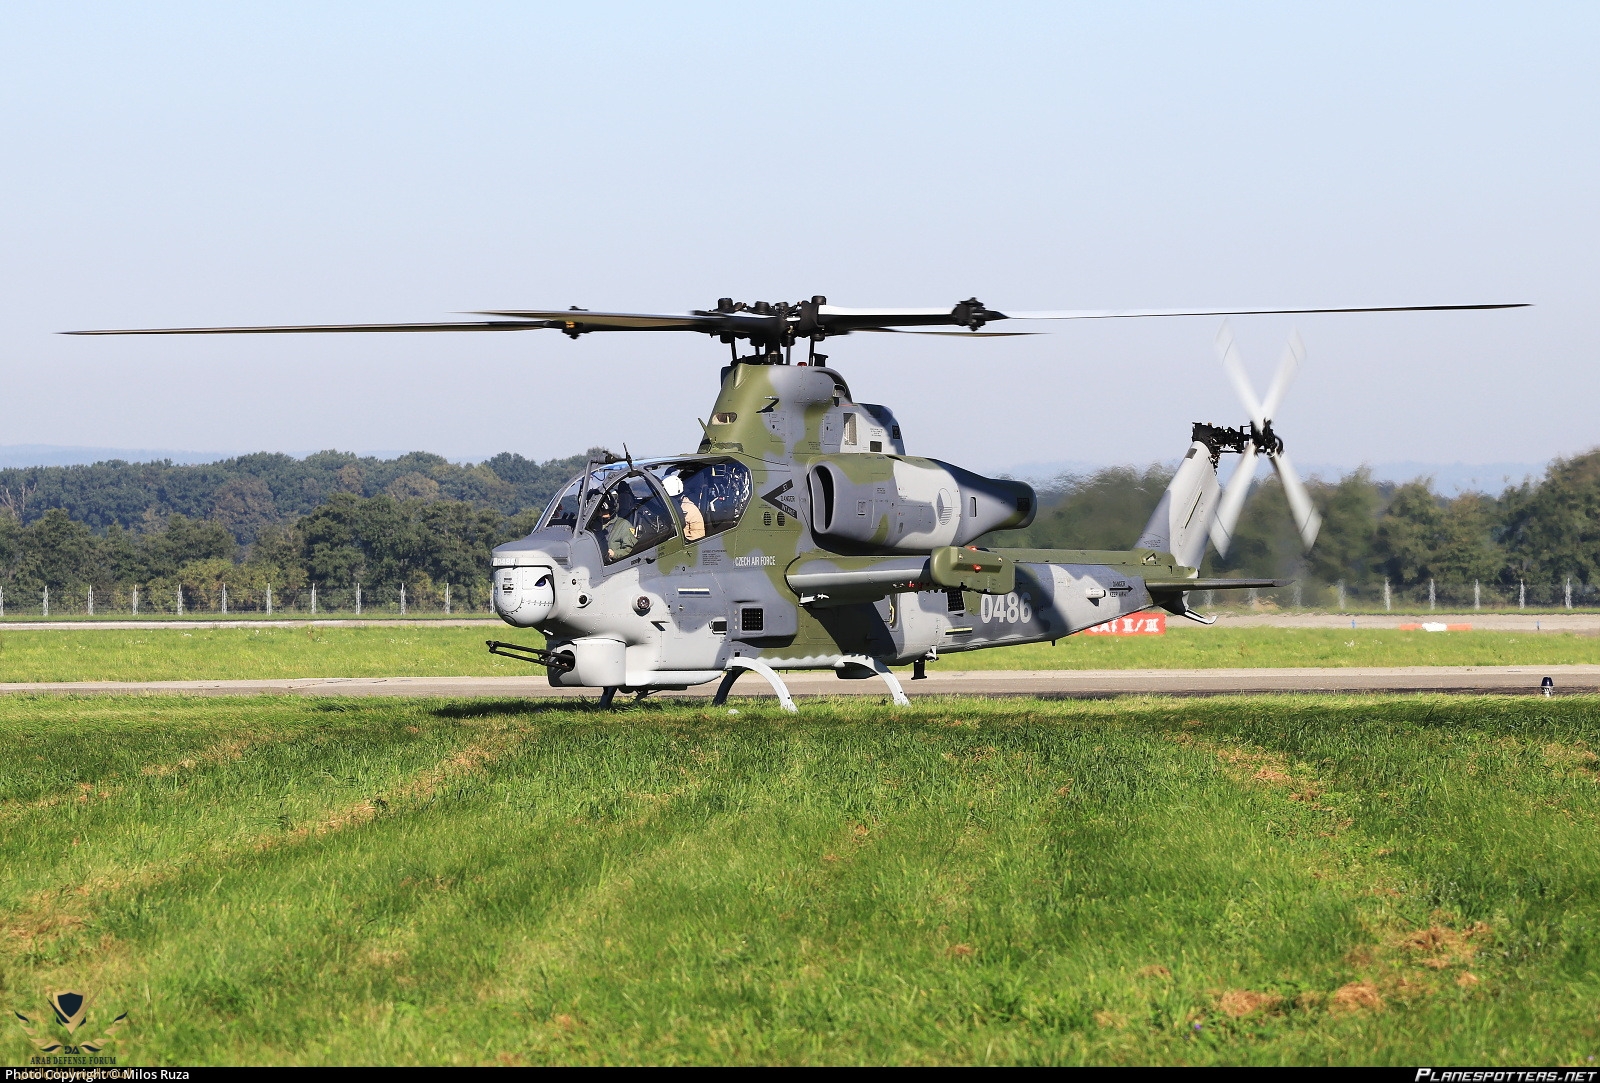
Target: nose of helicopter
point(524, 596)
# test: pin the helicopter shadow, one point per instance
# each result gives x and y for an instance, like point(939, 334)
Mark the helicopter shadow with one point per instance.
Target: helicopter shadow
point(537, 707)
point(521, 707)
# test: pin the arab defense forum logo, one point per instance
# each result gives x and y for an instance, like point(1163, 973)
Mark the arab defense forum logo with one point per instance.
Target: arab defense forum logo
point(71, 1011)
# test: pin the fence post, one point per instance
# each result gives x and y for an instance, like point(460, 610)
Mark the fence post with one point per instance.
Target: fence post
point(358, 599)
point(402, 599)
point(2, 601)
point(313, 599)
point(269, 599)
point(180, 599)
point(1522, 594)
point(224, 598)
point(1341, 595)
point(1387, 603)
point(1431, 604)
point(446, 600)
point(90, 602)
point(47, 600)
point(1297, 594)
point(1569, 592)
point(1475, 596)
point(135, 600)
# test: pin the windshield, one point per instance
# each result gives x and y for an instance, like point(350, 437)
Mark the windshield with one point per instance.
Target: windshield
point(707, 495)
point(563, 508)
point(629, 518)
point(710, 495)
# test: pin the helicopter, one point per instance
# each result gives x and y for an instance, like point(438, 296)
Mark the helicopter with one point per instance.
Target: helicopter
point(801, 534)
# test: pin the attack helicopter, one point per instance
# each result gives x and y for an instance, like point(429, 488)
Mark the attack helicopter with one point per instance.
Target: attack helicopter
point(802, 534)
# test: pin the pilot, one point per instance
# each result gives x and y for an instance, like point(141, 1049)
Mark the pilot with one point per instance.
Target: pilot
point(620, 536)
point(694, 523)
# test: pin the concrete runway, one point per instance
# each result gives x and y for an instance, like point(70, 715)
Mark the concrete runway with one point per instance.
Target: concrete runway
point(1085, 684)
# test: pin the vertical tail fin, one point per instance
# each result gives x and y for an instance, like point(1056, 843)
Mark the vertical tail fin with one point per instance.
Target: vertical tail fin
point(1182, 521)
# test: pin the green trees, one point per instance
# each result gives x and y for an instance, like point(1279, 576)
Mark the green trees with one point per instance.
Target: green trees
point(253, 492)
point(53, 551)
point(377, 542)
point(382, 542)
point(1535, 535)
point(1103, 510)
point(1551, 529)
point(331, 520)
point(334, 520)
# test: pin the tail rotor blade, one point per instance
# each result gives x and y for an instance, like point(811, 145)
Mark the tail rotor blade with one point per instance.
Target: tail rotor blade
point(1228, 350)
point(1306, 519)
point(1233, 501)
point(1293, 355)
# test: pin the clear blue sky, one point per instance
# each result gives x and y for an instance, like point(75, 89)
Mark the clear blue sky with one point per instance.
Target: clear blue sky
point(212, 164)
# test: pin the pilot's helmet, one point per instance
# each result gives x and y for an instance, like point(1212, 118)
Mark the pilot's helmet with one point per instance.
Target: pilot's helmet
point(673, 484)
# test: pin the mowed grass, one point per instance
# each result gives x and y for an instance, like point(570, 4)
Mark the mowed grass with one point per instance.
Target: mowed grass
point(261, 653)
point(1266, 881)
point(169, 654)
point(1189, 646)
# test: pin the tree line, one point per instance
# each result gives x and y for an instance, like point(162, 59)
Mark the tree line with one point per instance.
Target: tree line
point(264, 530)
point(253, 492)
point(1528, 542)
point(338, 524)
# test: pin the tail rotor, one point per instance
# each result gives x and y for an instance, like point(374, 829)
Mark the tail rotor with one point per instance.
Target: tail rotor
point(1260, 439)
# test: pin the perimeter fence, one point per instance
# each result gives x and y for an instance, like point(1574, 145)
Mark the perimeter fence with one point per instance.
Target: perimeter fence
point(221, 599)
point(1442, 595)
point(474, 599)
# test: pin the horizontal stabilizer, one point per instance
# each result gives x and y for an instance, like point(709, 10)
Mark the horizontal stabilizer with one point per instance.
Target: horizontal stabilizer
point(1172, 586)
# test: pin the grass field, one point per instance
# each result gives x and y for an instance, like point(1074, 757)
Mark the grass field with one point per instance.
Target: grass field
point(240, 653)
point(1278, 880)
point(455, 651)
point(169, 654)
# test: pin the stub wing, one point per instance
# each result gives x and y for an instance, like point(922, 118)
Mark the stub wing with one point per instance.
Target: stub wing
point(827, 579)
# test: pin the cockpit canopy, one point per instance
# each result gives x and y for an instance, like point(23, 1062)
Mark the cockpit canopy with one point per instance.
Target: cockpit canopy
point(633, 509)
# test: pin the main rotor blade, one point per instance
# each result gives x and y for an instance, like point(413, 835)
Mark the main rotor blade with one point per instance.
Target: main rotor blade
point(1228, 351)
point(770, 327)
point(1233, 500)
point(957, 334)
point(1140, 313)
point(324, 328)
point(1306, 519)
point(1293, 354)
point(577, 318)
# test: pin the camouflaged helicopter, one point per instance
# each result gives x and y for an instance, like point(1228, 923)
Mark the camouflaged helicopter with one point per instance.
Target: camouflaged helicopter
point(801, 533)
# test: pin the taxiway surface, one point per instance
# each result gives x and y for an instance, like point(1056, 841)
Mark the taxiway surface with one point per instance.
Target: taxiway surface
point(1094, 683)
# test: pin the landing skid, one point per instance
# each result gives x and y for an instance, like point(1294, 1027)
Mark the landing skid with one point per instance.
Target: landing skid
point(737, 666)
point(897, 694)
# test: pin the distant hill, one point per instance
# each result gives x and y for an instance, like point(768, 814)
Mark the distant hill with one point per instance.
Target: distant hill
point(1449, 479)
point(64, 455)
point(248, 492)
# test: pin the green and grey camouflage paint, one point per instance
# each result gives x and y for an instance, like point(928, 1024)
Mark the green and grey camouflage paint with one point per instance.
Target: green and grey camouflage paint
point(848, 548)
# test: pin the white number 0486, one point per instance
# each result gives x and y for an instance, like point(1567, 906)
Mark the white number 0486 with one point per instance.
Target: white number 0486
point(1006, 609)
